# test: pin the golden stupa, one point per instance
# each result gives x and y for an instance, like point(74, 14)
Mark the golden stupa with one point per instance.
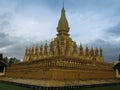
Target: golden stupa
point(62, 59)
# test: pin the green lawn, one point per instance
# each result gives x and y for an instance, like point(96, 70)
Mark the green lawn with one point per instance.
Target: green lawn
point(116, 87)
point(4, 86)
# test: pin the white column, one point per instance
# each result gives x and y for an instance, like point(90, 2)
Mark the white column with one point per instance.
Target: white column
point(117, 73)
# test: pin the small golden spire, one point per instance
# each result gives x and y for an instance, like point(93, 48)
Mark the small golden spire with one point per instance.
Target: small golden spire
point(87, 50)
point(26, 51)
point(32, 50)
point(29, 51)
point(75, 49)
point(101, 52)
point(96, 52)
point(51, 46)
point(41, 49)
point(36, 50)
point(46, 49)
point(51, 52)
point(81, 49)
point(92, 51)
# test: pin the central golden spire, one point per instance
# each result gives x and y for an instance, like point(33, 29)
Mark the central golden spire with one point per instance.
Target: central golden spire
point(63, 27)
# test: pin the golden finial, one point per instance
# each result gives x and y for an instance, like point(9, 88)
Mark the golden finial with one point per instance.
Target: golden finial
point(63, 7)
point(63, 4)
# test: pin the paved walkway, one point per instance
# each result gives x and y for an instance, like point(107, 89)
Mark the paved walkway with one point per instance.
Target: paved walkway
point(56, 83)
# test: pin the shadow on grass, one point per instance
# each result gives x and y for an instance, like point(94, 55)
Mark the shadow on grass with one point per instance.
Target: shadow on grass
point(4, 86)
point(116, 87)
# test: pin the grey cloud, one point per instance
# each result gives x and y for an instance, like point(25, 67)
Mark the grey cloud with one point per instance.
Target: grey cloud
point(4, 40)
point(111, 50)
point(114, 31)
point(5, 22)
point(16, 50)
point(2, 35)
point(11, 46)
point(93, 5)
point(5, 15)
point(4, 27)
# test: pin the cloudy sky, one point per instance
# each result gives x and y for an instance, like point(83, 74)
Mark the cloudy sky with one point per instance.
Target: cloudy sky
point(27, 22)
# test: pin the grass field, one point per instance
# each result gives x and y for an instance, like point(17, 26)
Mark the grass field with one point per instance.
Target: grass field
point(117, 87)
point(4, 86)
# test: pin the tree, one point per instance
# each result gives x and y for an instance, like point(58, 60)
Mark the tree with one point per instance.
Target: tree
point(11, 61)
point(6, 60)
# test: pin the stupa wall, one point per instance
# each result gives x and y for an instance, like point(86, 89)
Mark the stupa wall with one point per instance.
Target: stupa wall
point(53, 69)
point(62, 74)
